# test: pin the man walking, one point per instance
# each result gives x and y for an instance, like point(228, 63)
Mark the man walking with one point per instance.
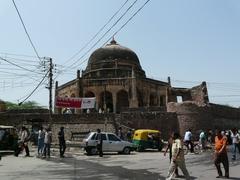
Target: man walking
point(177, 158)
point(25, 139)
point(169, 147)
point(62, 143)
point(188, 140)
point(221, 154)
point(41, 135)
point(235, 143)
point(99, 142)
point(47, 143)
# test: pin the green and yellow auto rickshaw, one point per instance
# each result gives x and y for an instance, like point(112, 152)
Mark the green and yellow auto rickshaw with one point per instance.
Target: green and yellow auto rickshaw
point(147, 139)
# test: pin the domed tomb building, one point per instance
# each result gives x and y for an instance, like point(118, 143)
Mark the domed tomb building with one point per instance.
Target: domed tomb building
point(115, 77)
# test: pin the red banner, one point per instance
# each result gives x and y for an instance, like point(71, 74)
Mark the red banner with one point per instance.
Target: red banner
point(68, 102)
point(80, 103)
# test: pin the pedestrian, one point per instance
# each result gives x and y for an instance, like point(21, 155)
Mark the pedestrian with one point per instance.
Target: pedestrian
point(202, 140)
point(99, 142)
point(24, 138)
point(120, 133)
point(88, 111)
point(169, 147)
point(220, 155)
point(62, 143)
point(129, 135)
point(210, 136)
point(188, 140)
point(177, 157)
point(41, 135)
point(47, 143)
point(235, 143)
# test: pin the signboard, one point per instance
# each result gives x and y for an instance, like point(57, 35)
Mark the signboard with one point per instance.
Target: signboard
point(79, 103)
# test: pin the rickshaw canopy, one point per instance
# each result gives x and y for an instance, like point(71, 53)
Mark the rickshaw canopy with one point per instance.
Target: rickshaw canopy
point(142, 134)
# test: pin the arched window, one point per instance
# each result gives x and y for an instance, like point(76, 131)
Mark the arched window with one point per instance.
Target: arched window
point(106, 101)
point(89, 94)
point(122, 100)
point(153, 99)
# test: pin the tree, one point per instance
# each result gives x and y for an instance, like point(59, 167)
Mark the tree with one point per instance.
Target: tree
point(25, 105)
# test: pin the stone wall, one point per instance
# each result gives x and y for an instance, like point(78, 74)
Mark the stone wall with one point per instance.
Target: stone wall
point(72, 123)
point(204, 117)
point(179, 116)
point(199, 93)
point(163, 121)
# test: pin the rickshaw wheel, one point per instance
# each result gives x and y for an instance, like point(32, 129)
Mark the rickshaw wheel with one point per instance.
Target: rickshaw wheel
point(140, 149)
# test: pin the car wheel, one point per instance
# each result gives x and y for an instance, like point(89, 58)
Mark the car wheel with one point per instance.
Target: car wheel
point(91, 151)
point(126, 150)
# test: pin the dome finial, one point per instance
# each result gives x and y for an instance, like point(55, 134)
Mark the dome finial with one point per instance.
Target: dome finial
point(113, 41)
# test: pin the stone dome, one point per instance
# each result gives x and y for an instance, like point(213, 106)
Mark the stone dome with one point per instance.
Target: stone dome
point(113, 56)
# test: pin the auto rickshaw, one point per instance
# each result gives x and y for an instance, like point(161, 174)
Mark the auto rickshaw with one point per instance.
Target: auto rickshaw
point(147, 138)
point(8, 138)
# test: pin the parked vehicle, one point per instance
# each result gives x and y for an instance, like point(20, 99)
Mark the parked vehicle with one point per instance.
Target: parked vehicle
point(8, 138)
point(111, 143)
point(147, 138)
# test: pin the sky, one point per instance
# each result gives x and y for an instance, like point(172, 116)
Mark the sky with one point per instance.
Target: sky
point(190, 41)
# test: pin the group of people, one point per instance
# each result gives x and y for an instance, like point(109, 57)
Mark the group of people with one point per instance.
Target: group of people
point(176, 154)
point(44, 142)
point(175, 147)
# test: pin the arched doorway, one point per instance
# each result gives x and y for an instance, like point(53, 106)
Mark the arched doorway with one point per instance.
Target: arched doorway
point(153, 99)
point(106, 101)
point(89, 94)
point(140, 98)
point(122, 100)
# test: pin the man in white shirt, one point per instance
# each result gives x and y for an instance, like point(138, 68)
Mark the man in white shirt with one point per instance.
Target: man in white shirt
point(24, 139)
point(188, 139)
point(235, 143)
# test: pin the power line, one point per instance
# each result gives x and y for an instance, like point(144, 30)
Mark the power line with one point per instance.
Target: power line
point(128, 20)
point(20, 55)
point(16, 65)
point(99, 31)
point(25, 29)
point(117, 30)
point(34, 88)
point(72, 65)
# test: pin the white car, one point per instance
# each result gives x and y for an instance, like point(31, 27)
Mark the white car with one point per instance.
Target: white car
point(111, 143)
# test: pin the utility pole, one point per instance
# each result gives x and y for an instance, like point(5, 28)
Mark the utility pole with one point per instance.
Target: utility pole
point(50, 86)
point(49, 67)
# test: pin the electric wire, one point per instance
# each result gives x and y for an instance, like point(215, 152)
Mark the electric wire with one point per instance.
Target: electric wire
point(19, 55)
point(16, 65)
point(99, 31)
point(25, 29)
point(72, 65)
point(115, 32)
point(128, 21)
point(34, 88)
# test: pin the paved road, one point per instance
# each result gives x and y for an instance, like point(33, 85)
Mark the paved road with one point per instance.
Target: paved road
point(137, 166)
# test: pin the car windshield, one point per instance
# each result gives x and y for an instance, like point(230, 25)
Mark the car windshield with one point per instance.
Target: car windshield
point(112, 137)
point(89, 134)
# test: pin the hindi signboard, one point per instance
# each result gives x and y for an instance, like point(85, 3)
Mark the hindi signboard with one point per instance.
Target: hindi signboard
point(79, 103)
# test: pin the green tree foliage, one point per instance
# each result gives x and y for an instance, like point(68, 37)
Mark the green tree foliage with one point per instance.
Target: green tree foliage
point(25, 105)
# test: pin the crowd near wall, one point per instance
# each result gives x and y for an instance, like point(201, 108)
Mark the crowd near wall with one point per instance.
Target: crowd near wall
point(178, 117)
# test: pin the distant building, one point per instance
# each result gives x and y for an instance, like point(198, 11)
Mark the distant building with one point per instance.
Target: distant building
point(115, 77)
